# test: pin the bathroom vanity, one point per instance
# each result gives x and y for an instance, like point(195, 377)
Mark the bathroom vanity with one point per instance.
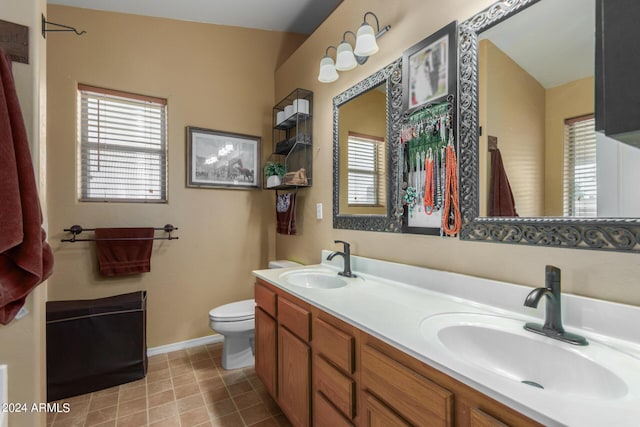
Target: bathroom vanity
point(408, 346)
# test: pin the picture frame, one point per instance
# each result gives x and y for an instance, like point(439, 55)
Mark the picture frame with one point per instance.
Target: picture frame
point(429, 69)
point(218, 159)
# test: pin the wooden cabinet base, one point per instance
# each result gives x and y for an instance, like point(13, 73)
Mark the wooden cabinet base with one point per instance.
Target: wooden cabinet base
point(357, 380)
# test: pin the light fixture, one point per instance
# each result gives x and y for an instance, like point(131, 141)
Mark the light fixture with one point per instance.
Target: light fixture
point(328, 71)
point(366, 41)
point(347, 58)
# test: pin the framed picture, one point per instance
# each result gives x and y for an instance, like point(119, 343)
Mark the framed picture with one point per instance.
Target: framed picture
point(429, 69)
point(218, 159)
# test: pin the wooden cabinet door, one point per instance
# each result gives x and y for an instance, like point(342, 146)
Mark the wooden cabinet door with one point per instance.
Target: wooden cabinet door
point(294, 373)
point(265, 347)
point(376, 414)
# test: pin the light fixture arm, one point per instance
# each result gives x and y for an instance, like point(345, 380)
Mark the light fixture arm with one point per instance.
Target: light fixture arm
point(344, 36)
point(326, 52)
point(376, 18)
point(379, 32)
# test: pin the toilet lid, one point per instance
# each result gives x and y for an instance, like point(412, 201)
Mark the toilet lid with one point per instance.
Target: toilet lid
point(235, 311)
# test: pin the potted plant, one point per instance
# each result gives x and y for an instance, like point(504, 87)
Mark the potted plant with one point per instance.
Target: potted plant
point(274, 172)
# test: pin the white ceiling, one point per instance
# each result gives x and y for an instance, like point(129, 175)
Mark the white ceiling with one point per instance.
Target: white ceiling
point(298, 16)
point(554, 41)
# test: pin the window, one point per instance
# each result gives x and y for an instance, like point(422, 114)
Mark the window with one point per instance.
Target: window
point(580, 186)
point(123, 146)
point(365, 162)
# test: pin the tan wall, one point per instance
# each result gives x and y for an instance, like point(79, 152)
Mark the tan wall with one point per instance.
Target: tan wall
point(214, 77)
point(563, 102)
point(365, 115)
point(515, 113)
point(22, 342)
point(606, 275)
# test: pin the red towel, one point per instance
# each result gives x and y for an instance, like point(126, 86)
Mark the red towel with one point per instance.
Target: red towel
point(124, 257)
point(25, 257)
point(501, 201)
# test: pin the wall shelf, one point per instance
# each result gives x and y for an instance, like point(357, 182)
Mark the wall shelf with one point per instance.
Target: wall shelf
point(292, 138)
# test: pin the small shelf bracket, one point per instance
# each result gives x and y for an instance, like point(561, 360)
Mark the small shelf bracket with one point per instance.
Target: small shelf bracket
point(60, 28)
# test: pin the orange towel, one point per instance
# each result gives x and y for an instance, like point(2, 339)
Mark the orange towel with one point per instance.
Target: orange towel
point(124, 257)
point(25, 257)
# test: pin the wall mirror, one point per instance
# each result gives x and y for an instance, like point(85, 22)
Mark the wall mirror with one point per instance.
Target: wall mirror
point(526, 119)
point(366, 181)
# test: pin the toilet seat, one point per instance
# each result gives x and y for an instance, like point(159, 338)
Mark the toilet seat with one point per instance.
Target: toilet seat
point(234, 312)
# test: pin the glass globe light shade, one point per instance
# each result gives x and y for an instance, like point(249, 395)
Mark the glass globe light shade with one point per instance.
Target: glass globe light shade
point(366, 41)
point(328, 71)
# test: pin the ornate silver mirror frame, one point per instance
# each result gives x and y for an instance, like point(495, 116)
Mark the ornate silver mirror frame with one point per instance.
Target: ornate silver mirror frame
point(618, 234)
point(392, 222)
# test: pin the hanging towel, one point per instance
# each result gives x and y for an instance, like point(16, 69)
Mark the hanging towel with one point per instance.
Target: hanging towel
point(124, 257)
point(25, 257)
point(501, 201)
point(286, 213)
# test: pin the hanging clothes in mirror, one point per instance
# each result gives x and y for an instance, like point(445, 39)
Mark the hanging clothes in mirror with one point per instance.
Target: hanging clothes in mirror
point(501, 200)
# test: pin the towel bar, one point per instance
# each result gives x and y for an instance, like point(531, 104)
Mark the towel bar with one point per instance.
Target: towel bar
point(77, 229)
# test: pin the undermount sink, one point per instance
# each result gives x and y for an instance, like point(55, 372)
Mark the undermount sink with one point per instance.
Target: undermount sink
point(501, 346)
point(316, 279)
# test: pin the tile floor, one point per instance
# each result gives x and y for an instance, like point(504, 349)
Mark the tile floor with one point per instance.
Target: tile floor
point(186, 388)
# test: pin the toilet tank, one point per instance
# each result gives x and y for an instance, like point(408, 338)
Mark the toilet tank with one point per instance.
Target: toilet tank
point(282, 263)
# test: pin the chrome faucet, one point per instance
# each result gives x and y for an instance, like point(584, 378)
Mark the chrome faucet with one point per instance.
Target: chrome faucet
point(553, 315)
point(346, 255)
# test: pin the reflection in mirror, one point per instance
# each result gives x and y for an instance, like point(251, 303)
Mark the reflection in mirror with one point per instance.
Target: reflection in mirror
point(362, 127)
point(539, 173)
point(366, 185)
point(536, 96)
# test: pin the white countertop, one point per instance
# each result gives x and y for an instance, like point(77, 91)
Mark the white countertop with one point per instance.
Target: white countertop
point(390, 300)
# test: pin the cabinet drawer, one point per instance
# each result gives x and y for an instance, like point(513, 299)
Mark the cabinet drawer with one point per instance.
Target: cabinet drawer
point(334, 344)
point(335, 386)
point(419, 400)
point(266, 299)
point(294, 318)
point(479, 418)
point(325, 415)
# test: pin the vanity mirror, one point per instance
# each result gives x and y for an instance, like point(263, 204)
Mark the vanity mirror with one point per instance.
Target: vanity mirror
point(366, 181)
point(541, 121)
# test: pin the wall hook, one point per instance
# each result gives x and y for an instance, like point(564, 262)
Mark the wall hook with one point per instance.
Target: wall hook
point(66, 28)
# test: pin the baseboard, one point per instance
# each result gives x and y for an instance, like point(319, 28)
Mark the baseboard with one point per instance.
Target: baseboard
point(209, 339)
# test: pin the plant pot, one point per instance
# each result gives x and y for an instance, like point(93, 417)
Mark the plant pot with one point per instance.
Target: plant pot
point(273, 181)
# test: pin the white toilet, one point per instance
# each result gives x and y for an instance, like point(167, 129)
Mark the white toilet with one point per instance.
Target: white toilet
point(236, 322)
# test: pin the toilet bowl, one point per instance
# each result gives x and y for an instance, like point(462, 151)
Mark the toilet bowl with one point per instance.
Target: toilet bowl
point(236, 322)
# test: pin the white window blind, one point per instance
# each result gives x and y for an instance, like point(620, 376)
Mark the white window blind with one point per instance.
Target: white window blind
point(580, 186)
point(123, 146)
point(365, 157)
